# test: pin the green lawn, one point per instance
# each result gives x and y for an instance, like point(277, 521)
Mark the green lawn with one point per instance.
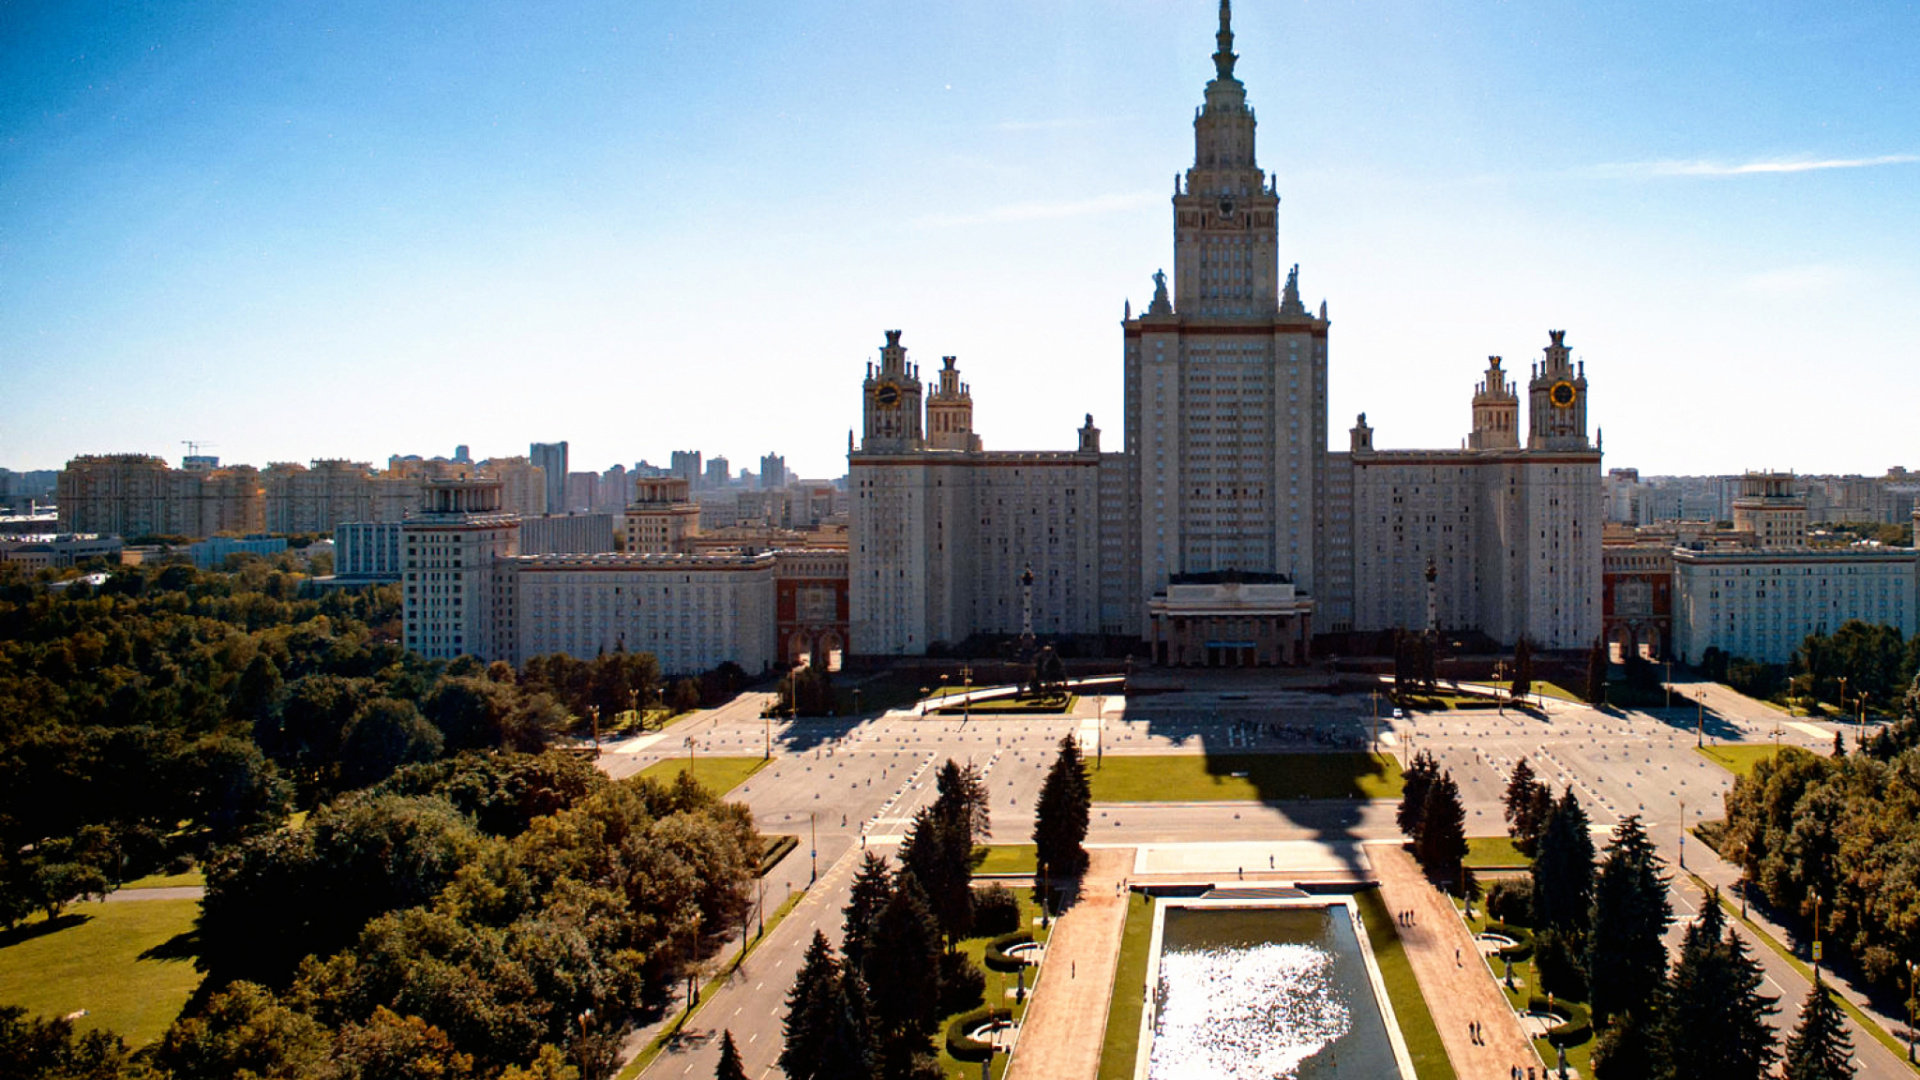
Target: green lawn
point(1267, 777)
point(1005, 859)
point(190, 879)
point(718, 774)
point(1013, 706)
point(1738, 758)
point(998, 983)
point(1409, 1004)
point(122, 962)
point(1483, 851)
point(1129, 991)
point(1554, 690)
point(1578, 1057)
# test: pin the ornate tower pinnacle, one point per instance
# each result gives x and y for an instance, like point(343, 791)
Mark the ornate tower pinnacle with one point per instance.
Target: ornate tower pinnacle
point(1223, 57)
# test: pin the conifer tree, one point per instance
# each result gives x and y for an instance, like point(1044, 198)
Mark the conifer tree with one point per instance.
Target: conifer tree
point(905, 967)
point(1442, 843)
point(938, 851)
point(872, 885)
point(1626, 957)
point(1416, 780)
point(1597, 672)
point(1528, 802)
point(1563, 871)
point(979, 803)
point(730, 1066)
point(1715, 1022)
point(1522, 668)
point(847, 1050)
point(1819, 1048)
point(1060, 817)
point(811, 1008)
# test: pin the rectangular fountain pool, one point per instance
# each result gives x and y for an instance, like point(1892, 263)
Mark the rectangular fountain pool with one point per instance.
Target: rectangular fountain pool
point(1264, 990)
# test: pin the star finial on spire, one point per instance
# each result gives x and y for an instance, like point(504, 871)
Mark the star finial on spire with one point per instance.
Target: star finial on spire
point(1223, 58)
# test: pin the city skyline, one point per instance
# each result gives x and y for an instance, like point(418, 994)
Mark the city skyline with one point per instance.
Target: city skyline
point(280, 234)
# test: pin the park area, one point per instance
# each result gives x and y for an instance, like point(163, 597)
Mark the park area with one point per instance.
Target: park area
point(717, 774)
point(128, 965)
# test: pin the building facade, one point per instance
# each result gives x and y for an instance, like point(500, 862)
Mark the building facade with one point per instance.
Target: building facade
point(551, 460)
point(321, 497)
point(140, 495)
point(1224, 492)
point(1761, 604)
point(458, 598)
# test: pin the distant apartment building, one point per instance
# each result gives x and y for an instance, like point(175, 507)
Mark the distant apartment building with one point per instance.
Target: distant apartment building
point(415, 467)
point(320, 497)
point(140, 495)
point(20, 492)
point(457, 601)
point(551, 458)
point(212, 553)
point(32, 553)
point(685, 464)
point(1770, 506)
point(567, 534)
point(523, 485)
point(610, 495)
point(366, 552)
point(718, 474)
point(1761, 604)
point(773, 472)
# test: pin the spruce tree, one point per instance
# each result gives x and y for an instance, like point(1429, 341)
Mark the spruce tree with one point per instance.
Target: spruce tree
point(1442, 843)
point(1528, 802)
point(730, 1067)
point(847, 1050)
point(1060, 817)
point(979, 803)
point(1522, 668)
point(1563, 871)
point(1626, 957)
point(1715, 1020)
point(811, 1006)
point(905, 967)
point(1625, 1050)
point(1416, 780)
point(1819, 1048)
point(938, 850)
point(1597, 672)
point(872, 885)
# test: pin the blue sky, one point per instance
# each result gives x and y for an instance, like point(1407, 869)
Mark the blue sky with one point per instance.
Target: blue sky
point(356, 229)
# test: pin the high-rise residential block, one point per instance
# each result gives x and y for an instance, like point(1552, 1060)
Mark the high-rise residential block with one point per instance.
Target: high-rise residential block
point(551, 459)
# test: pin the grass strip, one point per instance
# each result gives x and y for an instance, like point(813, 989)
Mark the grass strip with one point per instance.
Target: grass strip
point(998, 983)
point(1005, 859)
point(129, 965)
point(774, 848)
point(659, 1042)
point(1245, 777)
point(1494, 851)
point(1737, 759)
point(1871, 1027)
point(1122, 1043)
point(1417, 1029)
point(717, 774)
point(191, 879)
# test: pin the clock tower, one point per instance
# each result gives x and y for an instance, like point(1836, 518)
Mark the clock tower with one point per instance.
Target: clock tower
point(1557, 419)
point(890, 402)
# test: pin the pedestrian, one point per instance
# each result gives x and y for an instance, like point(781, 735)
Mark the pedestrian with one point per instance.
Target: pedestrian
point(1073, 969)
point(1456, 958)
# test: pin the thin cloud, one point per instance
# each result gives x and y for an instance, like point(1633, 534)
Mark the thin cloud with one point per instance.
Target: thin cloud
point(1648, 169)
point(1042, 211)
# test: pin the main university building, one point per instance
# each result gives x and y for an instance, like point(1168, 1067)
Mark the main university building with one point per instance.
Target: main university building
point(1222, 532)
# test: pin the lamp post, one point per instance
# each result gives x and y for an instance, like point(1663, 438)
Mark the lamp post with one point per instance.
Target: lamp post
point(1912, 970)
point(1700, 721)
point(1843, 695)
point(1683, 834)
point(923, 702)
point(813, 847)
point(856, 701)
point(1669, 684)
point(594, 712)
point(966, 694)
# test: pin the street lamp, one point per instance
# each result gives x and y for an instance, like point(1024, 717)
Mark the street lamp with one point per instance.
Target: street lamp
point(1669, 684)
point(1683, 834)
point(1700, 722)
point(1912, 970)
point(923, 702)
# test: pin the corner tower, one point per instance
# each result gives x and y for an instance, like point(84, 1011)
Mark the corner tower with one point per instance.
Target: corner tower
point(1557, 419)
point(1225, 375)
point(891, 401)
point(1496, 411)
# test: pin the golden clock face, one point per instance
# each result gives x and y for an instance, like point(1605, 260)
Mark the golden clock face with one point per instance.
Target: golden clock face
point(1562, 395)
point(888, 396)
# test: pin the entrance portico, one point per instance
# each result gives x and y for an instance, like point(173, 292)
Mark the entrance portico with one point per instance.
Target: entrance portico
point(1229, 619)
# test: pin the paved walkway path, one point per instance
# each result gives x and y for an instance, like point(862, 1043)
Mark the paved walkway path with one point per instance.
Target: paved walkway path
point(1458, 991)
point(168, 892)
point(1066, 1021)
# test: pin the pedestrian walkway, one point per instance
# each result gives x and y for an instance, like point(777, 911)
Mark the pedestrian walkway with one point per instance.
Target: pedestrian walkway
point(1457, 984)
point(1065, 1024)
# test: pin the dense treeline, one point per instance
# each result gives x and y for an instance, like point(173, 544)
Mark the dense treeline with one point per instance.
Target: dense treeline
point(493, 915)
point(172, 710)
point(1844, 830)
point(1873, 660)
point(1597, 924)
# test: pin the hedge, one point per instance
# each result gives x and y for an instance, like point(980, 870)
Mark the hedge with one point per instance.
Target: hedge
point(776, 848)
point(996, 956)
point(1522, 947)
point(964, 1047)
point(1577, 1022)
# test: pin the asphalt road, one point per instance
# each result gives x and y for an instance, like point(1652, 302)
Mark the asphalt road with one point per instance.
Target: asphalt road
point(839, 785)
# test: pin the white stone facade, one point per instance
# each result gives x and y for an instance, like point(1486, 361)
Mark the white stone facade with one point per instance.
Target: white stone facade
point(457, 599)
point(1762, 604)
point(692, 612)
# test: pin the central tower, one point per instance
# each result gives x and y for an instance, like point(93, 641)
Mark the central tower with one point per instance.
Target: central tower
point(1225, 375)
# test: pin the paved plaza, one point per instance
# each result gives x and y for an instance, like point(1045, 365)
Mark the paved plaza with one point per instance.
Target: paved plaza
point(841, 785)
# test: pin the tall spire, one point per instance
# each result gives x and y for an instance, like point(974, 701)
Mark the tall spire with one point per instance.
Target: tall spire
point(1223, 57)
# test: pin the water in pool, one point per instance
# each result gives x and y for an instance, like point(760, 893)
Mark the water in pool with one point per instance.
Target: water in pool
point(1265, 994)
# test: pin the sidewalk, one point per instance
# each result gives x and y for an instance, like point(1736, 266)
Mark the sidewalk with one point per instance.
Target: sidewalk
point(1066, 1021)
point(1458, 991)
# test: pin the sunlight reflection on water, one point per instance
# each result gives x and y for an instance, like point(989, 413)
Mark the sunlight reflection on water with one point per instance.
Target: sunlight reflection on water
point(1244, 1013)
